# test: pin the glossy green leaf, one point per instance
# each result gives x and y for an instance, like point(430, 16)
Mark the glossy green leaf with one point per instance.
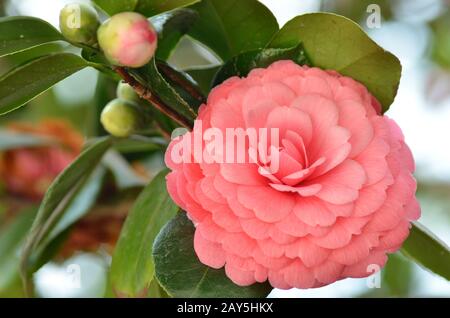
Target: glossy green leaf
point(233, 26)
point(18, 34)
point(150, 76)
point(146, 7)
point(112, 7)
point(428, 251)
point(183, 84)
point(181, 274)
point(68, 198)
point(26, 82)
point(337, 43)
point(204, 77)
point(242, 64)
point(171, 26)
point(153, 7)
point(132, 266)
point(11, 140)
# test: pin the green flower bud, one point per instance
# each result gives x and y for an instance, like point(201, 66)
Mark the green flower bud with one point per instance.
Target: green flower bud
point(79, 23)
point(128, 39)
point(121, 118)
point(126, 92)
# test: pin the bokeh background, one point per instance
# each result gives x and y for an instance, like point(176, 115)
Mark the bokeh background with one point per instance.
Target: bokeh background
point(416, 31)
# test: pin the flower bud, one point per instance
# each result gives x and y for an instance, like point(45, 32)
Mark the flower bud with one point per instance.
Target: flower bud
point(79, 23)
point(126, 92)
point(121, 118)
point(128, 39)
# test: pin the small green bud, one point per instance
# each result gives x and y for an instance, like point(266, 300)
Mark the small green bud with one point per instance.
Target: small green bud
point(121, 118)
point(126, 92)
point(79, 23)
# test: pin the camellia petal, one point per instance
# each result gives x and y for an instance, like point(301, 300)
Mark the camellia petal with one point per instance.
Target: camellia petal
point(327, 198)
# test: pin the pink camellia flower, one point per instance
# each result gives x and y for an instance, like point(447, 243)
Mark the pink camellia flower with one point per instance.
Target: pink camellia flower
point(128, 39)
point(342, 197)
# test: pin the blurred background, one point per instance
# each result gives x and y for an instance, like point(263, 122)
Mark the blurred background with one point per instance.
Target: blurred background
point(416, 31)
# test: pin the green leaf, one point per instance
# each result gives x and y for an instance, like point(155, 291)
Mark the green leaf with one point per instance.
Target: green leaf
point(18, 34)
point(427, 250)
point(233, 26)
point(11, 140)
point(94, 56)
point(123, 173)
point(98, 61)
point(156, 291)
point(78, 205)
point(12, 236)
point(337, 43)
point(68, 198)
point(14, 289)
point(137, 144)
point(67, 180)
point(163, 122)
point(105, 91)
point(150, 77)
point(153, 7)
point(183, 84)
point(204, 77)
point(146, 7)
point(242, 64)
point(112, 7)
point(181, 274)
point(440, 48)
point(132, 266)
point(171, 26)
point(26, 82)
point(398, 276)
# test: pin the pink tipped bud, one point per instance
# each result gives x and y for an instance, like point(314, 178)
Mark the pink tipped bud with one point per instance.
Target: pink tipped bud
point(128, 39)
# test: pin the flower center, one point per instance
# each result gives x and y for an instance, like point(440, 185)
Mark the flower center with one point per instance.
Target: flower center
point(288, 167)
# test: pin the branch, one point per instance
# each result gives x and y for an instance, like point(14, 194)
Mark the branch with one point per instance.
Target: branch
point(146, 94)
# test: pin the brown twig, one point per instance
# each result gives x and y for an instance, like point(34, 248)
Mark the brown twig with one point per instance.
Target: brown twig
point(146, 94)
point(183, 82)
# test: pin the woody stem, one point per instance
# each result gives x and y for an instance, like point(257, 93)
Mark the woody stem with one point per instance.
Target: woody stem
point(149, 96)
